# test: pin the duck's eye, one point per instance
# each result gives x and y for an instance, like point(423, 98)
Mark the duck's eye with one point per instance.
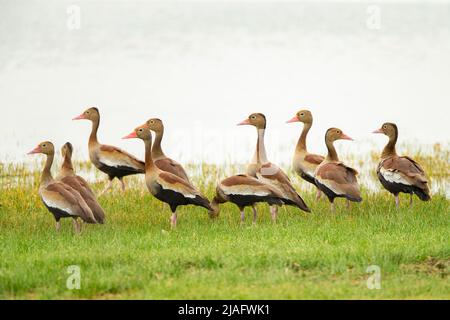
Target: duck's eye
point(140, 130)
point(384, 127)
point(44, 145)
point(302, 114)
point(152, 122)
point(338, 132)
point(253, 117)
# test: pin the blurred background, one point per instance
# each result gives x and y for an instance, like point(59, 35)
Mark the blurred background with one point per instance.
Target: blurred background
point(204, 66)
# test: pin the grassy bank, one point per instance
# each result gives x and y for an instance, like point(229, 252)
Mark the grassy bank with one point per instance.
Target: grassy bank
point(135, 255)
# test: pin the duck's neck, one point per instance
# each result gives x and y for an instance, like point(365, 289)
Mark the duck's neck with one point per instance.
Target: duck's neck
point(389, 149)
point(260, 156)
point(46, 176)
point(301, 144)
point(93, 136)
point(67, 167)
point(332, 154)
point(156, 149)
point(149, 165)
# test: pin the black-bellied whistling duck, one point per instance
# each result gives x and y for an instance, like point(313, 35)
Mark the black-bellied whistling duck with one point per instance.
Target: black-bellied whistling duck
point(61, 199)
point(68, 176)
point(305, 163)
point(166, 186)
point(159, 158)
point(268, 172)
point(113, 161)
point(244, 191)
point(400, 174)
point(333, 177)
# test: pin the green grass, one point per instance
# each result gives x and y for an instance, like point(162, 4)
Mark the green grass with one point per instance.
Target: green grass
point(303, 256)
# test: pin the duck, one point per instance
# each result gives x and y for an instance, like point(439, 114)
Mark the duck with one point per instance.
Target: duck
point(166, 186)
point(269, 173)
point(333, 177)
point(245, 191)
point(304, 162)
point(60, 199)
point(400, 174)
point(67, 175)
point(159, 158)
point(111, 160)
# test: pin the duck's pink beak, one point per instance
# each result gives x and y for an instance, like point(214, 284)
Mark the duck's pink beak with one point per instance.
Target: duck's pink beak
point(294, 119)
point(80, 117)
point(243, 123)
point(132, 135)
point(35, 150)
point(346, 137)
point(378, 131)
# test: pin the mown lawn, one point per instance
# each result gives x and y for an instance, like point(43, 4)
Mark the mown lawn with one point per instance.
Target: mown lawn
point(321, 255)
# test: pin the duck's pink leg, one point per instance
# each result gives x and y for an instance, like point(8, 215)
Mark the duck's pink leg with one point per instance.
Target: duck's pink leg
point(319, 194)
point(108, 187)
point(242, 216)
point(122, 183)
point(255, 214)
point(274, 212)
point(76, 226)
point(173, 220)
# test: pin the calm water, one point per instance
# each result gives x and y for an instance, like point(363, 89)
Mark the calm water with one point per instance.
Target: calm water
point(202, 67)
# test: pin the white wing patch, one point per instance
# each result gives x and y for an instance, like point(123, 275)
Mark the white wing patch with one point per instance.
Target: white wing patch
point(309, 173)
point(277, 185)
point(274, 183)
point(243, 190)
point(57, 205)
point(300, 164)
point(393, 176)
point(113, 163)
point(177, 188)
point(329, 185)
point(307, 168)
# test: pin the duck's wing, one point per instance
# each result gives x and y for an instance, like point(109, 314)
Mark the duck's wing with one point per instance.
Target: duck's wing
point(60, 196)
point(340, 179)
point(169, 181)
point(80, 185)
point(314, 159)
point(309, 163)
point(114, 157)
point(245, 185)
point(172, 166)
point(403, 170)
point(276, 177)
